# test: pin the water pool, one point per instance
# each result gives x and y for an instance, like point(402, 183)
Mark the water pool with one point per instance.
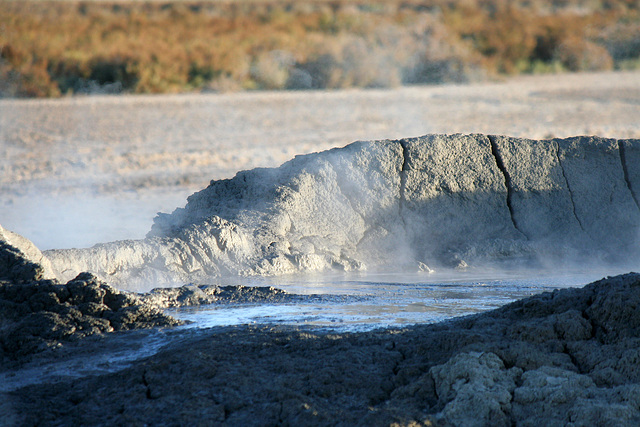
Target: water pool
point(363, 303)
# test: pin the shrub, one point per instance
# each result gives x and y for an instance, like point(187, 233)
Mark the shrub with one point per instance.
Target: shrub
point(622, 41)
point(52, 48)
point(582, 55)
point(22, 78)
point(270, 70)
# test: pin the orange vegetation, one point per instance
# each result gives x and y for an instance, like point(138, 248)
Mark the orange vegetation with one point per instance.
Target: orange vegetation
point(55, 48)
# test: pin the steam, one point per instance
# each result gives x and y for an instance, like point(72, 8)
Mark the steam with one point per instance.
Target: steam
point(435, 203)
point(54, 220)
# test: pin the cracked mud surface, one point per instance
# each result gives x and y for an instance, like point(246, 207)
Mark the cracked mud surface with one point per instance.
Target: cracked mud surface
point(507, 181)
point(625, 168)
point(443, 201)
point(564, 175)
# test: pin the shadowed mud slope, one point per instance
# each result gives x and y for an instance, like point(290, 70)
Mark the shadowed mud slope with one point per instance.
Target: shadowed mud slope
point(567, 357)
point(444, 201)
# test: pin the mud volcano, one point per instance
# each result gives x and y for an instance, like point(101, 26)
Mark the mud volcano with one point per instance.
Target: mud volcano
point(442, 201)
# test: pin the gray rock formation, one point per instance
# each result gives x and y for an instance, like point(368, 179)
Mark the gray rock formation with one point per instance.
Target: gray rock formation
point(42, 314)
point(574, 190)
point(475, 389)
point(190, 295)
point(21, 260)
point(437, 200)
point(568, 357)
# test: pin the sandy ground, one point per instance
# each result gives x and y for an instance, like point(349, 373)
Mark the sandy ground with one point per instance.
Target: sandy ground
point(78, 171)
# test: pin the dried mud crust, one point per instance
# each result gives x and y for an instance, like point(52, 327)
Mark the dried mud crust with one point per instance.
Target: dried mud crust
point(37, 314)
point(42, 314)
point(188, 295)
point(564, 357)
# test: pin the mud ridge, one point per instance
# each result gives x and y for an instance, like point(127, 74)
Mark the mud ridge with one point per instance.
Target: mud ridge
point(445, 201)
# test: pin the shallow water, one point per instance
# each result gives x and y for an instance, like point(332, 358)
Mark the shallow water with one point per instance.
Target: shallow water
point(94, 355)
point(356, 304)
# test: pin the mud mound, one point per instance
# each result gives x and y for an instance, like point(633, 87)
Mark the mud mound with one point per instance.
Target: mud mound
point(439, 200)
point(42, 314)
point(189, 295)
point(567, 357)
point(36, 314)
point(21, 260)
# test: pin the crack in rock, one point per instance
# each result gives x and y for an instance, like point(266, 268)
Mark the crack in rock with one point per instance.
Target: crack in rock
point(146, 384)
point(573, 204)
point(280, 412)
point(572, 357)
point(625, 171)
point(507, 182)
point(403, 179)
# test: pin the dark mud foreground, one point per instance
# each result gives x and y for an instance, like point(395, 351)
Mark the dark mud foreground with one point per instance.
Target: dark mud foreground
point(571, 357)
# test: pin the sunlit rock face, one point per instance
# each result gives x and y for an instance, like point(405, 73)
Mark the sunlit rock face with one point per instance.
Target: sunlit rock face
point(443, 201)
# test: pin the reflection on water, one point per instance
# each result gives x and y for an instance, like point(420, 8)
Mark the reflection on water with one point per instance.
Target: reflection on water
point(358, 305)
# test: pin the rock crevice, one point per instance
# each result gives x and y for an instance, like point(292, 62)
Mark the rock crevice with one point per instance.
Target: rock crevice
point(625, 171)
point(566, 181)
point(507, 182)
point(403, 178)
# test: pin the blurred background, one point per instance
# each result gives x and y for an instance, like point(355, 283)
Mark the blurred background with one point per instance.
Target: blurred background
point(52, 49)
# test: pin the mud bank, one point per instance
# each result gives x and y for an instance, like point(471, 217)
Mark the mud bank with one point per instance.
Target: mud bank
point(39, 313)
point(438, 201)
point(564, 358)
